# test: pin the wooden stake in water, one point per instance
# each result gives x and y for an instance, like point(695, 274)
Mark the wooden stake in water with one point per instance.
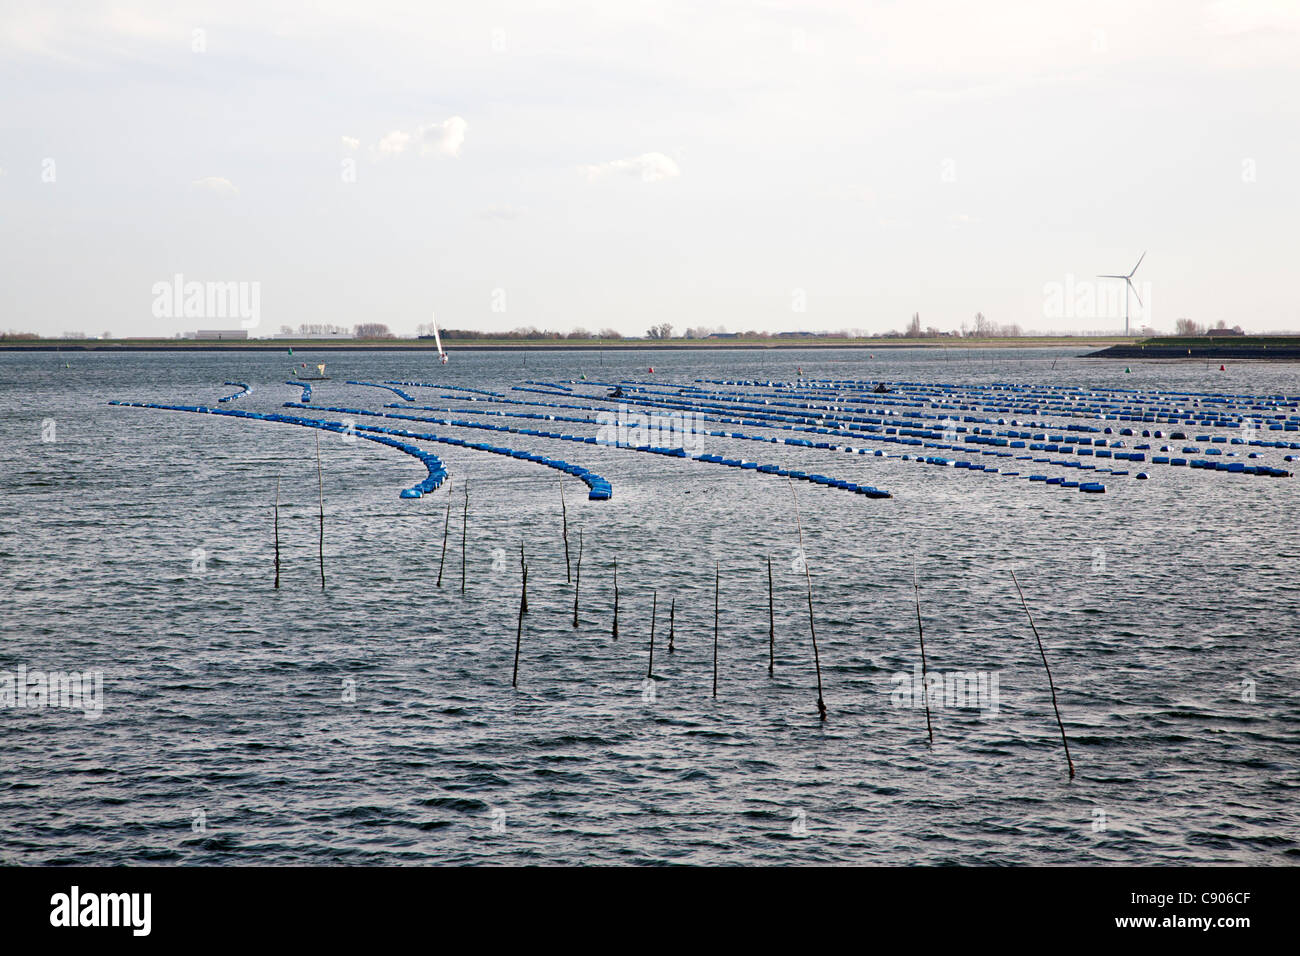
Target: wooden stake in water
point(771, 623)
point(464, 528)
point(320, 486)
point(577, 581)
point(821, 703)
point(654, 611)
point(564, 514)
point(925, 684)
point(715, 629)
point(616, 599)
point(1065, 743)
point(446, 526)
point(277, 532)
point(672, 611)
point(523, 609)
point(523, 567)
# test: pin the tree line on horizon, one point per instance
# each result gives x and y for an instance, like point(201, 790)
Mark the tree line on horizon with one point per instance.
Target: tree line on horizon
point(980, 327)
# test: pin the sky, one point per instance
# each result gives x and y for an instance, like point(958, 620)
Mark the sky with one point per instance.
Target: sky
point(772, 166)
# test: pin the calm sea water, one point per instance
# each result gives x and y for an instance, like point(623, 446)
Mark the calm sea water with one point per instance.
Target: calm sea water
point(374, 722)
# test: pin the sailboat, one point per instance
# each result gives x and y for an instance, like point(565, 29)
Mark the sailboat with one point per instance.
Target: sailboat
point(320, 375)
point(437, 340)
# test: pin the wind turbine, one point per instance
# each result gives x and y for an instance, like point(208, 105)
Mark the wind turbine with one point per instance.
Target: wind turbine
point(1128, 284)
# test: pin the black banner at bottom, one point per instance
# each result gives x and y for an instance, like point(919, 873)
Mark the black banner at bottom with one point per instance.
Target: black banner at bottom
point(1221, 906)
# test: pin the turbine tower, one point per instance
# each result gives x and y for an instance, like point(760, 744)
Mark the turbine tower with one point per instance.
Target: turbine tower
point(1128, 284)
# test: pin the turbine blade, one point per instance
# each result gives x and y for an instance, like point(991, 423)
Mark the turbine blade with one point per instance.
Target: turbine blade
point(1111, 277)
point(1139, 262)
point(1135, 292)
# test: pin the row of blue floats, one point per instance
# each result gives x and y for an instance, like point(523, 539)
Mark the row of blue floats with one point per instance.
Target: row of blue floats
point(900, 433)
point(900, 436)
point(867, 490)
point(599, 489)
point(437, 473)
point(450, 388)
point(244, 389)
point(396, 391)
point(795, 441)
point(1230, 412)
point(838, 413)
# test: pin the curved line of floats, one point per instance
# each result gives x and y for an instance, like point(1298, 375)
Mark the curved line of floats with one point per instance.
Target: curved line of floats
point(842, 424)
point(1061, 402)
point(867, 490)
point(244, 389)
point(437, 473)
point(827, 425)
point(904, 415)
point(599, 488)
point(396, 391)
point(450, 388)
point(831, 446)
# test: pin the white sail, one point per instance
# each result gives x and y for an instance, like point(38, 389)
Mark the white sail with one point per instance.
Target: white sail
point(437, 340)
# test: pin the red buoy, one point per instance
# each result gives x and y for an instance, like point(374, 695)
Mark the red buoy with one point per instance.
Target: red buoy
point(652, 369)
point(1222, 369)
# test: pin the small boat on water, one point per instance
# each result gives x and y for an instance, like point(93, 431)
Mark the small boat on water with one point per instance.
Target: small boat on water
point(437, 339)
point(302, 376)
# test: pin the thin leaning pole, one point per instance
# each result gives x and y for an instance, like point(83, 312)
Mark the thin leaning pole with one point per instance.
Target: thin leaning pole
point(672, 613)
point(716, 566)
point(615, 630)
point(523, 609)
point(320, 487)
point(446, 526)
point(564, 515)
point(920, 633)
point(464, 528)
point(523, 601)
point(1050, 683)
point(812, 627)
point(277, 532)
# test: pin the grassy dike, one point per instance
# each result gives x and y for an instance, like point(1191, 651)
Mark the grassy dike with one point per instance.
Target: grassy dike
point(1269, 348)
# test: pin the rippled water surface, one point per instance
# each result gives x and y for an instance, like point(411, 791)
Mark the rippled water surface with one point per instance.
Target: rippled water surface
point(374, 722)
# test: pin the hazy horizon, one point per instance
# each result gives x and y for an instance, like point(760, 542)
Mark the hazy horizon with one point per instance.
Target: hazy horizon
point(770, 166)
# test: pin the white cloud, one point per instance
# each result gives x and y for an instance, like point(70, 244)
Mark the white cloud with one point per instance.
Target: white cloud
point(445, 138)
point(651, 167)
point(435, 139)
point(351, 143)
point(216, 184)
point(393, 144)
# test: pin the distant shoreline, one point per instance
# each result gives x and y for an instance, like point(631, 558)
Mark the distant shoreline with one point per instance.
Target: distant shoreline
point(1268, 348)
point(500, 345)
